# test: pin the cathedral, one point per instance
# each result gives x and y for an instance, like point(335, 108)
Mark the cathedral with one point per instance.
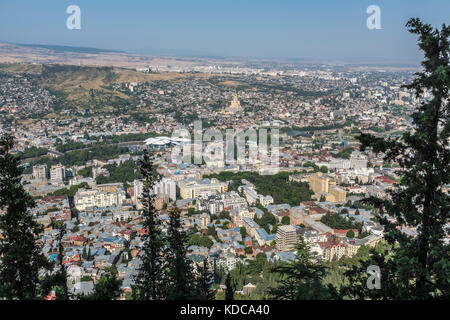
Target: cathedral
point(234, 107)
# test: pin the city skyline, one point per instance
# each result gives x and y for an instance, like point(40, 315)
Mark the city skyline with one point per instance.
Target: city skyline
point(329, 31)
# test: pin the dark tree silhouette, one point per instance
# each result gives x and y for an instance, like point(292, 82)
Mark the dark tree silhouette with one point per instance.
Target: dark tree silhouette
point(57, 280)
point(229, 292)
point(203, 282)
point(107, 287)
point(150, 280)
point(416, 267)
point(20, 256)
point(301, 278)
point(179, 269)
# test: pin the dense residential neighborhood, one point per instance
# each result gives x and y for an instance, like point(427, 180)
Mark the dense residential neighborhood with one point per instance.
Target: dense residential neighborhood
point(85, 173)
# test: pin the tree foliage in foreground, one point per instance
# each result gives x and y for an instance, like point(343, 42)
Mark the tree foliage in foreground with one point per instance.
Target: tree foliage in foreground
point(180, 279)
point(302, 277)
point(149, 280)
point(21, 257)
point(416, 267)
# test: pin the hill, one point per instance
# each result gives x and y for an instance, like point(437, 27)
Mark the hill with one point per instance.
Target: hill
point(88, 88)
point(57, 48)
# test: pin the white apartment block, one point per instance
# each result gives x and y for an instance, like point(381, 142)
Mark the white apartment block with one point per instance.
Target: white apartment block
point(205, 220)
point(96, 198)
point(196, 188)
point(40, 171)
point(166, 187)
point(57, 172)
point(228, 261)
point(265, 200)
point(286, 237)
point(138, 188)
point(250, 194)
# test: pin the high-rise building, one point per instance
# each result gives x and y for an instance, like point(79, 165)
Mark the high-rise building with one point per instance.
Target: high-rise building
point(57, 172)
point(318, 182)
point(166, 187)
point(138, 188)
point(205, 220)
point(323, 185)
point(286, 237)
point(40, 171)
point(336, 194)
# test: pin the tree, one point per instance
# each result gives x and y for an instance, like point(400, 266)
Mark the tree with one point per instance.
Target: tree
point(285, 220)
point(204, 242)
point(191, 212)
point(229, 293)
point(243, 232)
point(350, 234)
point(179, 275)
point(194, 239)
point(89, 254)
point(107, 287)
point(21, 258)
point(203, 282)
point(416, 268)
point(301, 278)
point(57, 281)
point(211, 231)
point(266, 219)
point(62, 274)
point(149, 282)
point(324, 169)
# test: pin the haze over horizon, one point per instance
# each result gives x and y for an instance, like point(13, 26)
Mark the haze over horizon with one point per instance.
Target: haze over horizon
point(325, 31)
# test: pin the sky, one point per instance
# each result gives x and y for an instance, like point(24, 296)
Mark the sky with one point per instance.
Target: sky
point(331, 30)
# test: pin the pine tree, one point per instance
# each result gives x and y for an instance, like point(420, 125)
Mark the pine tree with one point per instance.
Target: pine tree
point(57, 280)
point(416, 268)
point(21, 258)
point(301, 278)
point(150, 280)
point(84, 254)
point(179, 270)
point(61, 276)
point(203, 282)
point(229, 292)
point(89, 254)
point(107, 287)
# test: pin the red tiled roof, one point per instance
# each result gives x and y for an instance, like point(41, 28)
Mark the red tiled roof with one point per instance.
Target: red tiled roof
point(385, 179)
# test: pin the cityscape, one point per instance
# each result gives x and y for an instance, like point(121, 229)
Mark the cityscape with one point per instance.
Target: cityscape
point(159, 177)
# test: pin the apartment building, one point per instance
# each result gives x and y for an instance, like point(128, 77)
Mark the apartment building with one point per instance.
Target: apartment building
point(40, 172)
point(88, 198)
point(205, 220)
point(194, 188)
point(286, 238)
point(336, 194)
point(224, 201)
point(57, 172)
point(324, 185)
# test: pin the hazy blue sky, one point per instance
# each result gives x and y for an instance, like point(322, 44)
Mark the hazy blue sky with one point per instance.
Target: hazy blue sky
point(319, 29)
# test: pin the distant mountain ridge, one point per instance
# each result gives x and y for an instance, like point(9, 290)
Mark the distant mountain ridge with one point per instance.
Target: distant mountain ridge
point(58, 48)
